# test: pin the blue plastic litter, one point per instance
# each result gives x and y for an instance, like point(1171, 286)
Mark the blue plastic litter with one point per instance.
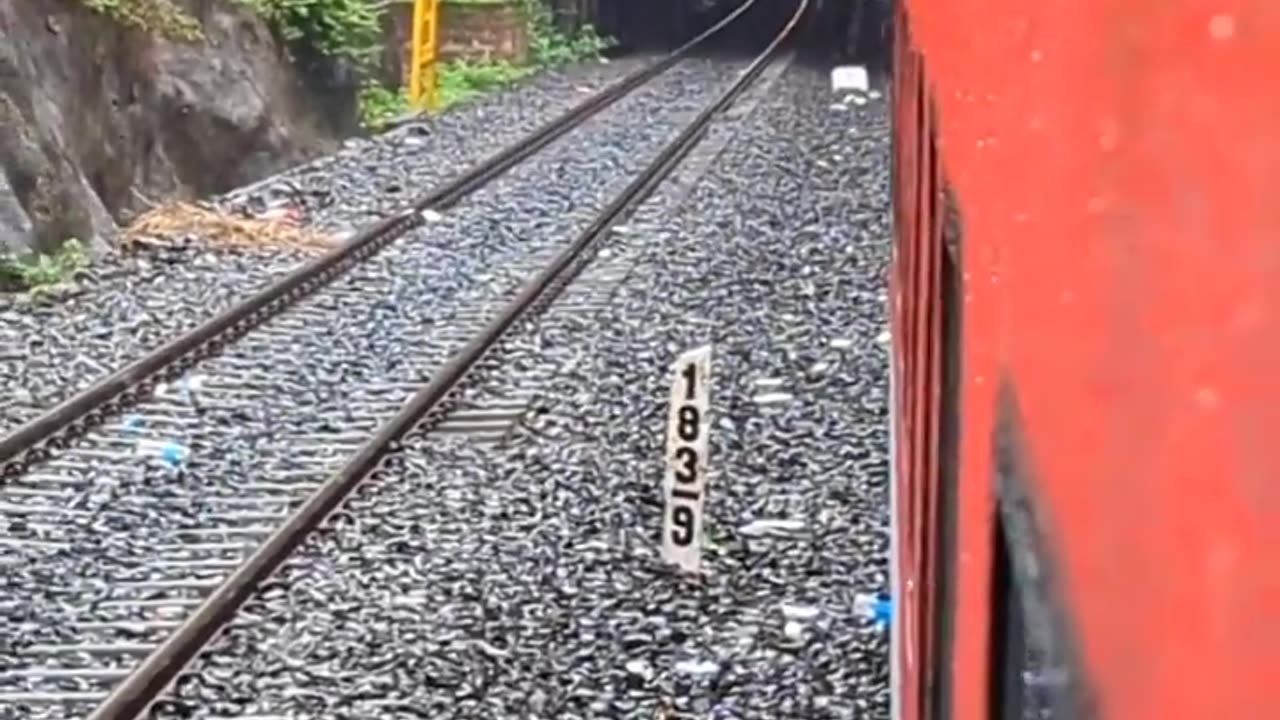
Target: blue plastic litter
point(884, 610)
point(173, 454)
point(878, 608)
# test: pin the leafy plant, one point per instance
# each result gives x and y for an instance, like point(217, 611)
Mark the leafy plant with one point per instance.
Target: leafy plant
point(345, 29)
point(461, 80)
point(161, 17)
point(551, 46)
point(379, 105)
point(40, 271)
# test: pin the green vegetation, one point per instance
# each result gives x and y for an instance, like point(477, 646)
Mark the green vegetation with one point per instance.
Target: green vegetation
point(461, 81)
point(550, 46)
point(158, 17)
point(351, 30)
point(40, 272)
point(379, 105)
point(345, 29)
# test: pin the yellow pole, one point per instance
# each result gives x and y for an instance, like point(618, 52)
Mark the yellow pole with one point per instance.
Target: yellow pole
point(423, 83)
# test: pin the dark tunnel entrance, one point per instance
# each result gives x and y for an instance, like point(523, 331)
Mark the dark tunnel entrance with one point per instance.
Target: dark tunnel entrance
point(857, 31)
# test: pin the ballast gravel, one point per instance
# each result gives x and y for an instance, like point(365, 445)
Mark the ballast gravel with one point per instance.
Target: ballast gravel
point(373, 177)
point(466, 581)
point(112, 536)
point(131, 302)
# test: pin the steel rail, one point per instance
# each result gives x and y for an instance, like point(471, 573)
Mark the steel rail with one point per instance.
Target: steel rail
point(144, 685)
point(315, 274)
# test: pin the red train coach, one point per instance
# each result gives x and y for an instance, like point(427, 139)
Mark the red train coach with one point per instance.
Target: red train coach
point(1086, 314)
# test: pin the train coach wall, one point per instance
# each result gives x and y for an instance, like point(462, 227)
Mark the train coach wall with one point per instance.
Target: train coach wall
point(95, 118)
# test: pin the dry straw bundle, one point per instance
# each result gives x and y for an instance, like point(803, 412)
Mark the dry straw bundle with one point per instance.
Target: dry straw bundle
point(173, 222)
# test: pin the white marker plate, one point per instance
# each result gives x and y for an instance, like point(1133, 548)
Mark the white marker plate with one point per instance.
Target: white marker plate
point(845, 78)
point(685, 484)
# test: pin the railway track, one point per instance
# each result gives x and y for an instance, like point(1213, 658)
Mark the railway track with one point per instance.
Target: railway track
point(55, 427)
point(77, 467)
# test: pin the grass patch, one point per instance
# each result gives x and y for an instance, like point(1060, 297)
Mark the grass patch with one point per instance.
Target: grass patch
point(380, 105)
point(461, 81)
point(39, 271)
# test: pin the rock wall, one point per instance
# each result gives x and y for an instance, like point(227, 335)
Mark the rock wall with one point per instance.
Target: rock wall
point(97, 121)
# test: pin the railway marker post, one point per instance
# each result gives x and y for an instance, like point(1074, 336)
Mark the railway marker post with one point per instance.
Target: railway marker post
point(423, 82)
point(685, 480)
point(850, 78)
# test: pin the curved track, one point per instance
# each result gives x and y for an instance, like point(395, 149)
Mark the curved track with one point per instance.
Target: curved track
point(110, 626)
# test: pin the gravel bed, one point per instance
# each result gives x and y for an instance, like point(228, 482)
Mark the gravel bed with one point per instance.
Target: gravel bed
point(283, 400)
point(131, 303)
point(525, 582)
point(372, 177)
